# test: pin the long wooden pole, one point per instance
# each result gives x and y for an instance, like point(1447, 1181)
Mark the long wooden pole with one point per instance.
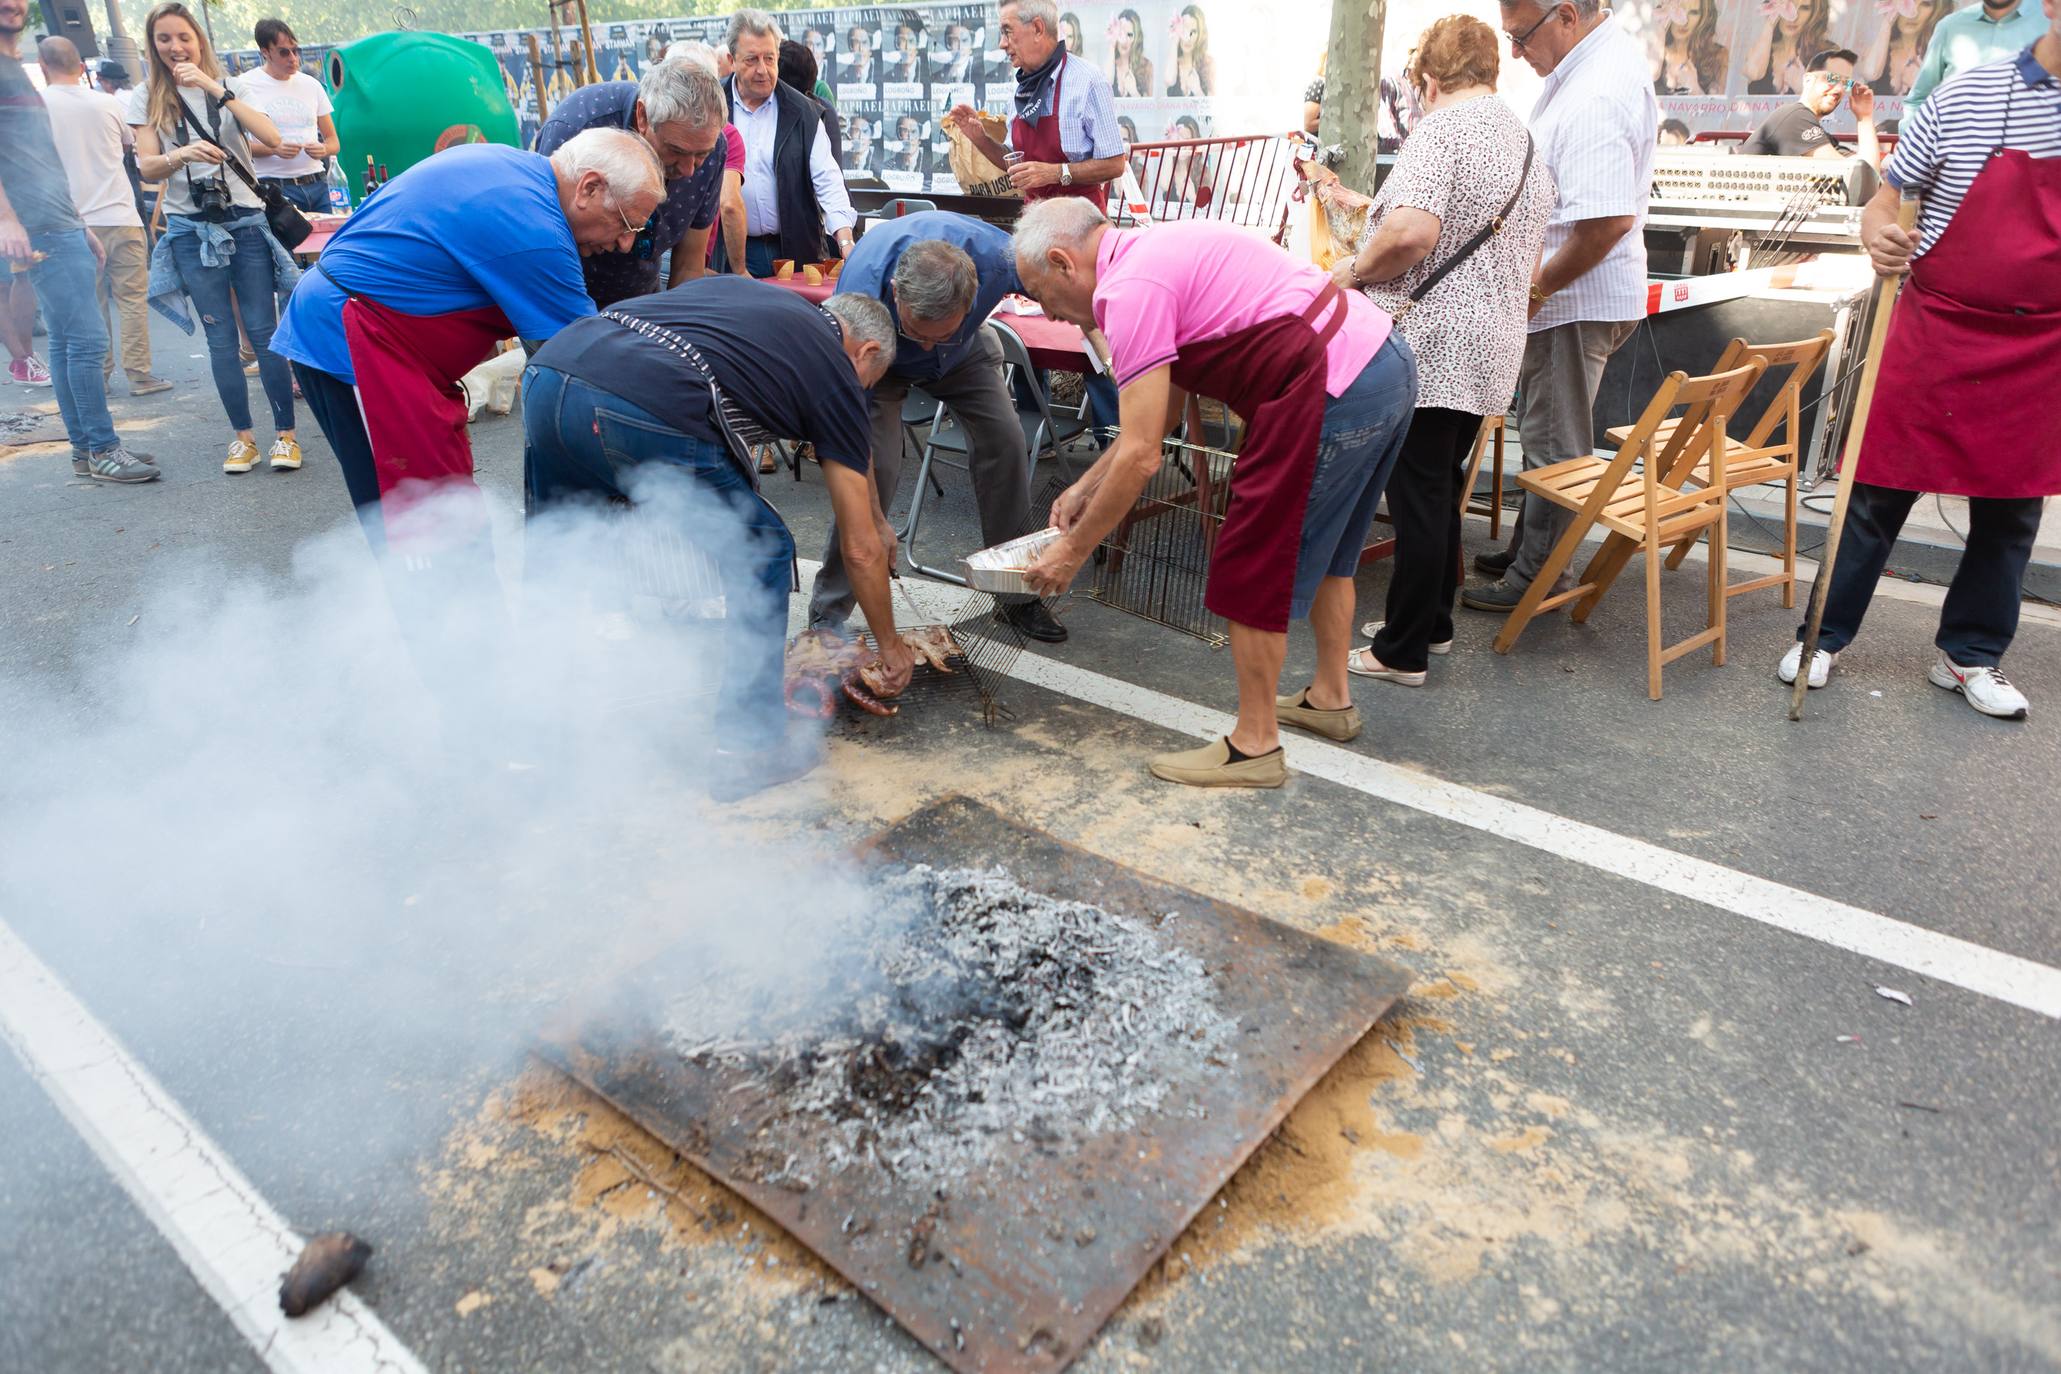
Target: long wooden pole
point(1864, 400)
point(587, 41)
point(557, 52)
point(538, 79)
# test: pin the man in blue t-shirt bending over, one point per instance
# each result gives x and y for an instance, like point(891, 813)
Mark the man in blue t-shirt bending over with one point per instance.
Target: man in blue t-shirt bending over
point(941, 275)
point(475, 245)
point(676, 385)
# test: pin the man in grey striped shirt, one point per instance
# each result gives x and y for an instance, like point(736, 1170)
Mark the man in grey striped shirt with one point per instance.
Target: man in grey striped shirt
point(1593, 127)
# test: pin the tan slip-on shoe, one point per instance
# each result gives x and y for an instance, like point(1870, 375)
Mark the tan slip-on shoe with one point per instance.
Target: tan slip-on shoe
point(1211, 766)
point(1342, 724)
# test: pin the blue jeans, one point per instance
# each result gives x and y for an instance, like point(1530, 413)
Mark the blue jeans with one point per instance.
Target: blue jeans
point(248, 274)
point(1356, 450)
point(581, 442)
point(67, 286)
point(310, 198)
point(1102, 402)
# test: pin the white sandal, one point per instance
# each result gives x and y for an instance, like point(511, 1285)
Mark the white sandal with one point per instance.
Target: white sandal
point(1362, 663)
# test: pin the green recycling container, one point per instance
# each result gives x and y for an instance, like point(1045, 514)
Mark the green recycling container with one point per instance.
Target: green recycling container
point(401, 96)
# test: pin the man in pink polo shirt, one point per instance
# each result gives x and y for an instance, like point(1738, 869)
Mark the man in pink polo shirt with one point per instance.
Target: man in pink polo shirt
point(1325, 387)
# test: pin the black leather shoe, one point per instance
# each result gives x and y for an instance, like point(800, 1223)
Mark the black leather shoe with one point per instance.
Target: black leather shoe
point(1497, 563)
point(733, 777)
point(1033, 621)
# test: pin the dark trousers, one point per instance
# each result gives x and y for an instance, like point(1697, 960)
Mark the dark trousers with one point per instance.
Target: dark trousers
point(334, 404)
point(248, 275)
point(584, 443)
point(443, 604)
point(1980, 617)
point(1424, 504)
point(997, 458)
point(759, 252)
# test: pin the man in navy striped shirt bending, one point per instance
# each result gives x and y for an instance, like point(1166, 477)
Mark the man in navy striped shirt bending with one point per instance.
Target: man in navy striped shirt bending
point(1964, 404)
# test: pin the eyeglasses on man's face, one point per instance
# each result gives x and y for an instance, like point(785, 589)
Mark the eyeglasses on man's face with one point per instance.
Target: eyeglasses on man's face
point(1517, 41)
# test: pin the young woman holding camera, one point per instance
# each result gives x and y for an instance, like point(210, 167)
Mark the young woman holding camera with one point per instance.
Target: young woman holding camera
point(216, 246)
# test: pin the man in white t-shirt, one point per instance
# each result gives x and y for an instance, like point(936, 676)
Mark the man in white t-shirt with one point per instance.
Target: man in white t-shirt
point(297, 164)
point(89, 129)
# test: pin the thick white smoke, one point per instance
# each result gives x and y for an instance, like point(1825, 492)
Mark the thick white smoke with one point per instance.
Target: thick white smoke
point(249, 811)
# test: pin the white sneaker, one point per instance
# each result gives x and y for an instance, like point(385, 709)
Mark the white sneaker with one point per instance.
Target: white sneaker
point(1821, 665)
point(1373, 627)
point(1986, 688)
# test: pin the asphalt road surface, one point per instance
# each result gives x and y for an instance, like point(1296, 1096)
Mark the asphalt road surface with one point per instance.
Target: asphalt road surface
point(1643, 1108)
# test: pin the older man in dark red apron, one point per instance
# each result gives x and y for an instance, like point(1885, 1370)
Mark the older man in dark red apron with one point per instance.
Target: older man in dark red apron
point(477, 244)
point(1325, 387)
point(1063, 136)
point(1966, 404)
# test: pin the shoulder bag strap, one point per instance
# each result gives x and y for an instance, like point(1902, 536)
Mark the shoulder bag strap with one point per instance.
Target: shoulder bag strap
point(228, 157)
point(1487, 231)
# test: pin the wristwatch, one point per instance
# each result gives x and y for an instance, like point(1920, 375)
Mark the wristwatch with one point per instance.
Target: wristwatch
point(1539, 294)
point(1066, 174)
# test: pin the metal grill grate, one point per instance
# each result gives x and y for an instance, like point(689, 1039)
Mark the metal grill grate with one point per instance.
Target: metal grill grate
point(988, 649)
point(1155, 564)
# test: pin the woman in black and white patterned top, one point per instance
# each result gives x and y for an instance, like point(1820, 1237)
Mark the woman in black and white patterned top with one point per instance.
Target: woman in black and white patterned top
point(1458, 170)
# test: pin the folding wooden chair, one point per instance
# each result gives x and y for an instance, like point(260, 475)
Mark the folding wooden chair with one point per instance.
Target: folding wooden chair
point(1760, 457)
point(1641, 512)
point(1491, 433)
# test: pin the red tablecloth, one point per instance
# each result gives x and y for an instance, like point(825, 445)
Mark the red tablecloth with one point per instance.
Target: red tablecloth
point(818, 292)
point(1053, 344)
point(325, 227)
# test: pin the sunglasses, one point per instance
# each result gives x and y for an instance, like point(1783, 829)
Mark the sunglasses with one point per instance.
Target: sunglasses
point(287, 50)
point(1517, 41)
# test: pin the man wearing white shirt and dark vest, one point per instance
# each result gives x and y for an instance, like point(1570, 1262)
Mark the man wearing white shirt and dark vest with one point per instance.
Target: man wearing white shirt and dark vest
point(1593, 130)
point(1964, 404)
point(1063, 135)
point(794, 195)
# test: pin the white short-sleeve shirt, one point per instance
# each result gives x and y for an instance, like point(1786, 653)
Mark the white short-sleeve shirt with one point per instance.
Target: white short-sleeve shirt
point(1594, 124)
point(294, 105)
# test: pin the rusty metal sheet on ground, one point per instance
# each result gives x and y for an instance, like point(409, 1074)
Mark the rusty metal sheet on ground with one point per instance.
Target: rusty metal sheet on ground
point(1014, 1262)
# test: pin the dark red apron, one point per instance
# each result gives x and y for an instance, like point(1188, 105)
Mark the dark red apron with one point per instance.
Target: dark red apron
point(1272, 374)
point(1040, 143)
point(408, 368)
point(1969, 397)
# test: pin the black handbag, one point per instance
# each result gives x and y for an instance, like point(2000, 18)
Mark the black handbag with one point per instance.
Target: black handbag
point(285, 219)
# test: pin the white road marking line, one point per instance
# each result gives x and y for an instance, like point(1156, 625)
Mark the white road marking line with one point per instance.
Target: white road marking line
point(1962, 963)
point(228, 1235)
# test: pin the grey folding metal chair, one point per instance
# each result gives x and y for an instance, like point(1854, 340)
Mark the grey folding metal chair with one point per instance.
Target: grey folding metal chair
point(1042, 430)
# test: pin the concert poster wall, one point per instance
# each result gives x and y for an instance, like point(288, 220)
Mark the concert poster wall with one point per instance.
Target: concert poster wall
point(1716, 64)
point(896, 71)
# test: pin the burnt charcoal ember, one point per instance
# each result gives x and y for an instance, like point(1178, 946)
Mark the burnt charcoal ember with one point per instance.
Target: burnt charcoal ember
point(969, 1013)
point(326, 1263)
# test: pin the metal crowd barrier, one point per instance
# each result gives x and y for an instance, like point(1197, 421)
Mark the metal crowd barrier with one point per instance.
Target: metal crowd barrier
point(1245, 180)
